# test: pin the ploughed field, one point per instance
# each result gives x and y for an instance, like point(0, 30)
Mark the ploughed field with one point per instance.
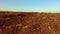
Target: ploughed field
point(29, 23)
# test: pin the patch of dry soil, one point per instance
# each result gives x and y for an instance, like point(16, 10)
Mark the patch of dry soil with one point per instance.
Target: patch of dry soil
point(29, 23)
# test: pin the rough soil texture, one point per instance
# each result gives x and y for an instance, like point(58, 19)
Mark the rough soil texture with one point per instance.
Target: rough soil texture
point(29, 23)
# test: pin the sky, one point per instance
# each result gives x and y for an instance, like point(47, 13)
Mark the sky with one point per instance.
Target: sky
point(30, 5)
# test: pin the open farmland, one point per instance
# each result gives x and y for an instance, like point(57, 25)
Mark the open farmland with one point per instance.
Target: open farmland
point(29, 23)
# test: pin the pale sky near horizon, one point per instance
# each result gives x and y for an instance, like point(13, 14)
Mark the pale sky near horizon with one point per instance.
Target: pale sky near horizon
point(30, 5)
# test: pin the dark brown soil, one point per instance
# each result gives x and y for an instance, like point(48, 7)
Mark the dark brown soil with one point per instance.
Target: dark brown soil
point(29, 23)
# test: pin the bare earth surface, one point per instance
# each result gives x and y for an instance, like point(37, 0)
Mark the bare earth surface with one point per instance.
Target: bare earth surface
point(29, 23)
